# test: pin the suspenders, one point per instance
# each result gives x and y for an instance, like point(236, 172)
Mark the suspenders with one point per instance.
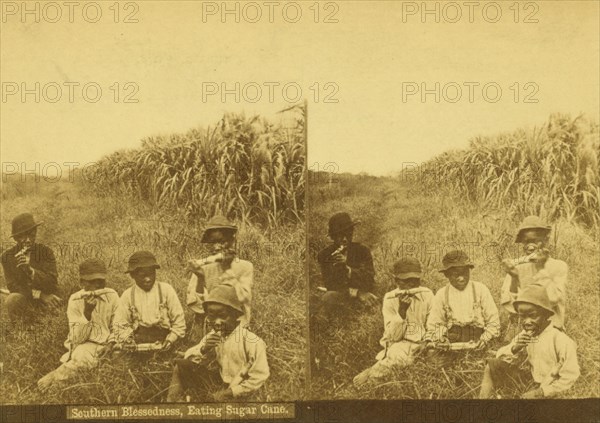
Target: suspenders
point(160, 297)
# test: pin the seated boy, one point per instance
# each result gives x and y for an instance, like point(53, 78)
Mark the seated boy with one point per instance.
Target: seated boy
point(405, 310)
point(90, 313)
point(541, 360)
point(463, 313)
point(221, 266)
point(149, 312)
point(533, 234)
point(230, 361)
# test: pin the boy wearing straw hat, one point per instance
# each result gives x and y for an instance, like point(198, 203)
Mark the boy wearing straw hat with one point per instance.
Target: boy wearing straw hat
point(541, 360)
point(230, 361)
point(149, 312)
point(463, 313)
point(90, 313)
point(346, 266)
point(536, 265)
point(29, 269)
point(405, 310)
point(222, 266)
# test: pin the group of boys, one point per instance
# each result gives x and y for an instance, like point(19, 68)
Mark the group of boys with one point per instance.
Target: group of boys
point(540, 361)
point(228, 362)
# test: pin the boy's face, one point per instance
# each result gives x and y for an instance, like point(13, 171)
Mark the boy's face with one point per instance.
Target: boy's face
point(144, 277)
point(533, 319)
point(220, 240)
point(458, 276)
point(26, 239)
point(92, 285)
point(221, 317)
point(532, 239)
point(342, 238)
point(407, 283)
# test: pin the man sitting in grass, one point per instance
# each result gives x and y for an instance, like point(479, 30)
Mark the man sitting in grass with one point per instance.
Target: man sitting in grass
point(533, 234)
point(149, 312)
point(463, 313)
point(220, 267)
point(29, 270)
point(405, 310)
point(90, 313)
point(541, 360)
point(346, 266)
point(230, 361)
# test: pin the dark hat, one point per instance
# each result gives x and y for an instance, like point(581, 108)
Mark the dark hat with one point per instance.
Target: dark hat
point(23, 223)
point(532, 222)
point(92, 268)
point(341, 222)
point(224, 294)
point(456, 258)
point(217, 222)
point(534, 294)
point(141, 259)
point(406, 268)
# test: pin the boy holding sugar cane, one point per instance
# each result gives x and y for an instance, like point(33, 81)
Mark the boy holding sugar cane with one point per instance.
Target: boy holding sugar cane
point(229, 361)
point(541, 360)
point(405, 310)
point(221, 266)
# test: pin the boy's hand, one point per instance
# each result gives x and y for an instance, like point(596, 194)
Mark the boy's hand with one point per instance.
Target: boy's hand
point(107, 350)
point(129, 345)
point(211, 342)
point(50, 300)
point(404, 301)
point(508, 265)
point(88, 308)
point(481, 345)
point(338, 258)
point(223, 395)
point(533, 394)
point(166, 345)
point(523, 339)
point(367, 298)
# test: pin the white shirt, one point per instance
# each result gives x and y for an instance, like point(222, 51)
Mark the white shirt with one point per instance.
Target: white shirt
point(242, 358)
point(149, 312)
point(98, 328)
point(553, 360)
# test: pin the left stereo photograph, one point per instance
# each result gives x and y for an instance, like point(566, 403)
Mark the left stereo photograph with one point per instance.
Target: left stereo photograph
point(153, 239)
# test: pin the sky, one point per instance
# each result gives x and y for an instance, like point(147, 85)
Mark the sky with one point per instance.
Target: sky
point(361, 65)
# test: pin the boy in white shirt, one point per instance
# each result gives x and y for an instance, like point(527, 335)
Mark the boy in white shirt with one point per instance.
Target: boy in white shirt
point(463, 313)
point(537, 264)
point(541, 360)
point(222, 266)
point(405, 310)
point(230, 361)
point(149, 312)
point(90, 313)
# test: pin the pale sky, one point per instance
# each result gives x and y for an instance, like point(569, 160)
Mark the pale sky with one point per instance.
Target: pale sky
point(368, 55)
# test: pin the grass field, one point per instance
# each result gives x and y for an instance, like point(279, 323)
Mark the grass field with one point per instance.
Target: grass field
point(80, 224)
point(400, 218)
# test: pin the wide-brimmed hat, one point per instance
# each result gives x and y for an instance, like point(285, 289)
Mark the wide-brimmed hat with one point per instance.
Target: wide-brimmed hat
point(224, 294)
point(92, 268)
point(406, 268)
point(534, 294)
point(456, 258)
point(217, 223)
point(141, 259)
point(341, 222)
point(531, 222)
point(23, 223)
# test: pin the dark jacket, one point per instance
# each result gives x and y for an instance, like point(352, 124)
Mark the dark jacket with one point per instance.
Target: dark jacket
point(359, 259)
point(45, 277)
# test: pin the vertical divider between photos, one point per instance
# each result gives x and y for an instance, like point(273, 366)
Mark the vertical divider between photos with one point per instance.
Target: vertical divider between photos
point(308, 378)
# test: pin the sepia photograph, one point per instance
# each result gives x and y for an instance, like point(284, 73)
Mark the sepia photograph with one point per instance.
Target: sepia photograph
point(153, 230)
point(453, 214)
